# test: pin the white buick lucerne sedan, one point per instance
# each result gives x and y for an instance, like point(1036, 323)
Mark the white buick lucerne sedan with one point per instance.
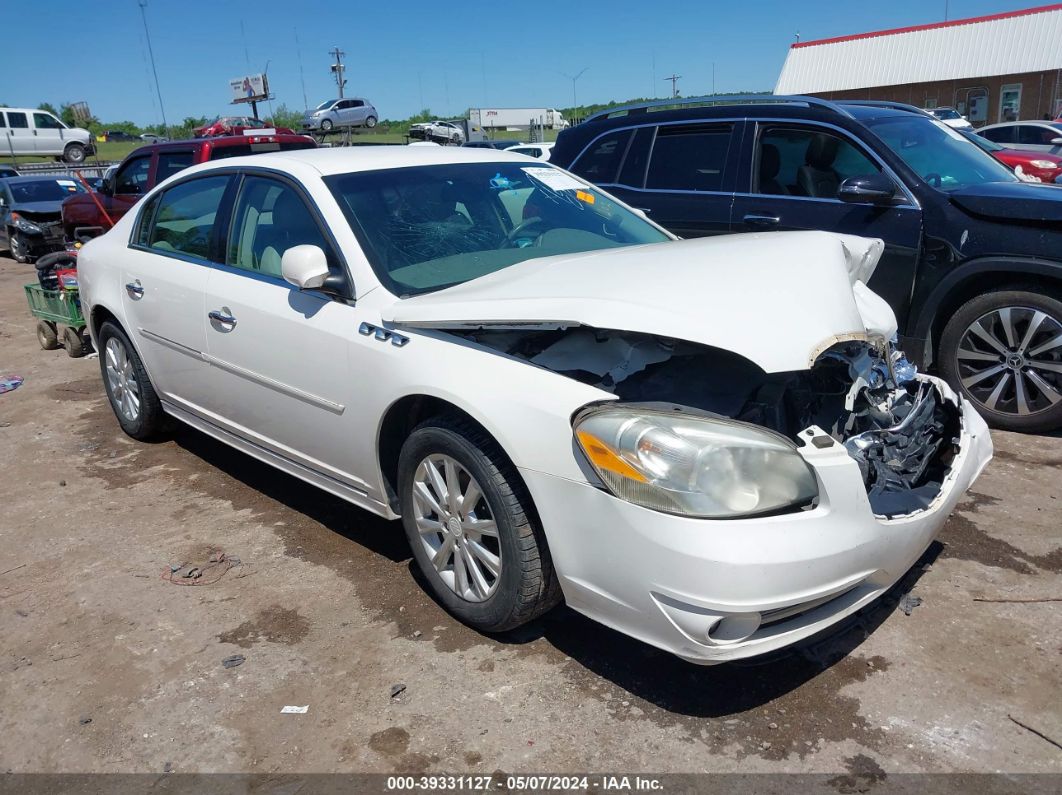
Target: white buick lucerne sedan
point(709, 445)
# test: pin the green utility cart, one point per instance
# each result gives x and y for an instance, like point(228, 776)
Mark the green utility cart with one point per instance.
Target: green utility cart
point(58, 314)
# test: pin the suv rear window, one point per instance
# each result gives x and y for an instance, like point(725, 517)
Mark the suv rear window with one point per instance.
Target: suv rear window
point(239, 150)
point(689, 157)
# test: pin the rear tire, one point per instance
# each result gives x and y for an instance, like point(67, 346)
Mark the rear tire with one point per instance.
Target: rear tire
point(122, 381)
point(520, 581)
point(370, 122)
point(326, 125)
point(74, 153)
point(74, 343)
point(47, 335)
point(1013, 377)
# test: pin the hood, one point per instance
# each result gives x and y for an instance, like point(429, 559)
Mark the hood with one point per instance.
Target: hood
point(1015, 201)
point(39, 208)
point(779, 298)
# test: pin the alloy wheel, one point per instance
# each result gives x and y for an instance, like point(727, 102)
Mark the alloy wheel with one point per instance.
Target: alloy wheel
point(1010, 360)
point(121, 378)
point(457, 528)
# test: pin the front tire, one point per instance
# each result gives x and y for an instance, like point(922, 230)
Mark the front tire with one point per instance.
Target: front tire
point(74, 153)
point(472, 528)
point(20, 248)
point(132, 397)
point(1003, 352)
point(47, 335)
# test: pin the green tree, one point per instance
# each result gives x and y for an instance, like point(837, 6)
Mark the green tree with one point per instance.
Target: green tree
point(285, 117)
point(48, 106)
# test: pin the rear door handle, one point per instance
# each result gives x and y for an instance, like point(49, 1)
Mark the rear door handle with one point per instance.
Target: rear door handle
point(221, 317)
point(134, 288)
point(754, 219)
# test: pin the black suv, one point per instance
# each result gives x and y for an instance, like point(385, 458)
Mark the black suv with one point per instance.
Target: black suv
point(973, 257)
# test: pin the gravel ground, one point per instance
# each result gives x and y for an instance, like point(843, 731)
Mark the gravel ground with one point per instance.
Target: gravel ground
point(107, 667)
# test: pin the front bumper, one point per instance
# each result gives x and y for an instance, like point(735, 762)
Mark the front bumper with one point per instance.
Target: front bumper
point(712, 591)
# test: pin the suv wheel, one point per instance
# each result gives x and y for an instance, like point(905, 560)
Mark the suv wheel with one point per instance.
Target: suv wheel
point(74, 153)
point(326, 125)
point(1003, 351)
point(132, 397)
point(471, 527)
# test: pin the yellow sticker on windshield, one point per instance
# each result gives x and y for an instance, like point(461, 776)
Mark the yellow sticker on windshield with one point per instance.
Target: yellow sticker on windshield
point(583, 196)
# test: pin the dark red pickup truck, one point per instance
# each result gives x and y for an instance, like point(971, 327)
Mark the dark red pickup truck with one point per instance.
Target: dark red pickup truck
point(147, 166)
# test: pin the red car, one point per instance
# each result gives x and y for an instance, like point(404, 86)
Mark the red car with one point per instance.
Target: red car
point(1044, 166)
point(236, 125)
point(91, 214)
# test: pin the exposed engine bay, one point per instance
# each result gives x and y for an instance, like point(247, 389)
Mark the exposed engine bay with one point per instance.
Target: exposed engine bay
point(899, 429)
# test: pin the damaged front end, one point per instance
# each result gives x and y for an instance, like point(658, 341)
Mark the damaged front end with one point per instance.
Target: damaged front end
point(900, 428)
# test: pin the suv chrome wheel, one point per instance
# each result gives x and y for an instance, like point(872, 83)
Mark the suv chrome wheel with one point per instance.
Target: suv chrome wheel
point(1010, 360)
point(456, 527)
point(121, 377)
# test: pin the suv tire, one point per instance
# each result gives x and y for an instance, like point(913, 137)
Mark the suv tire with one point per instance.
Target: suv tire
point(990, 351)
point(521, 584)
point(74, 153)
point(115, 351)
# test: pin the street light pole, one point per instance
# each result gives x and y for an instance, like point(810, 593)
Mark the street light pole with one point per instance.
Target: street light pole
point(573, 78)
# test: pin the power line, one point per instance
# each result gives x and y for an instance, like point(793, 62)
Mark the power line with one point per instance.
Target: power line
point(151, 53)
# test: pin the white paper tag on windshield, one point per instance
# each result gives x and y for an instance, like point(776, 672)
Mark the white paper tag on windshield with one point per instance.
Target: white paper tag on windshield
point(295, 710)
point(554, 179)
point(66, 183)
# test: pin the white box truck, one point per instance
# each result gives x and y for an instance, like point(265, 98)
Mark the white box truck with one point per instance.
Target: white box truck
point(516, 118)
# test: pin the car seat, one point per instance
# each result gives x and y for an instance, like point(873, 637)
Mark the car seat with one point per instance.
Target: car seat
point(817, 177)
point(770, 164)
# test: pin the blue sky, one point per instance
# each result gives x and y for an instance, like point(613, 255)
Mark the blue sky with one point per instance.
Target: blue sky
point(408, 55)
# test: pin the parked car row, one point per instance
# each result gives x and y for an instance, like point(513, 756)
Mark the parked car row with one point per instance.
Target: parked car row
point(528, 372)
point(972, 264)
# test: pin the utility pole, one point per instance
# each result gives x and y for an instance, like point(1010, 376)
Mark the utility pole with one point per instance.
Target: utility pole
point(674, 85)
point(143, 15)
point(338, 68)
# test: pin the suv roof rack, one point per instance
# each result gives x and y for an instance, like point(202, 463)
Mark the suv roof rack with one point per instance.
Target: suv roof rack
point(722, 99)
point(882, 103)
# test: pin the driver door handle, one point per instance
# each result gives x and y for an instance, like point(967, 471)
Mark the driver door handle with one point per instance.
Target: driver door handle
point(134, 288)
point(221, 317)
point(755, 219)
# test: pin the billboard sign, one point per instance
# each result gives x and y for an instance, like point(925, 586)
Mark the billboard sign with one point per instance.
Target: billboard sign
point(250, 88)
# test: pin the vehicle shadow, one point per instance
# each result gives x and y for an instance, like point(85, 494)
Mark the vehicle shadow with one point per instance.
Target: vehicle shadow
point(648, 673)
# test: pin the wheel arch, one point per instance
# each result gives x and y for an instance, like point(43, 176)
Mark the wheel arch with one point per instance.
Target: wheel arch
point(974, 278)
point(399, 420)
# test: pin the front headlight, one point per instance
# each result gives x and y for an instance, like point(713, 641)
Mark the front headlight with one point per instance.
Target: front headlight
point(693, 465)
point(25, 226)
point(1043, 164)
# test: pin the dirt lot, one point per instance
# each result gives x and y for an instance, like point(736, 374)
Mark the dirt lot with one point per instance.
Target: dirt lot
point(106, 666)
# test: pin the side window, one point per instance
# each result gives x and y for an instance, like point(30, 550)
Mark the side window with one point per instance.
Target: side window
point(3, 119)
point(633, 171)
point(804, 162)
point(1033, 134)
point(1001, 135)
point(46, 121)
point(172, 162)
point(689, 157)
point(185, 219)
point(270, 218)
point(17, 121)
point(143, 230)
point(601, 161)
point(356, 103)
point(132, 178)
